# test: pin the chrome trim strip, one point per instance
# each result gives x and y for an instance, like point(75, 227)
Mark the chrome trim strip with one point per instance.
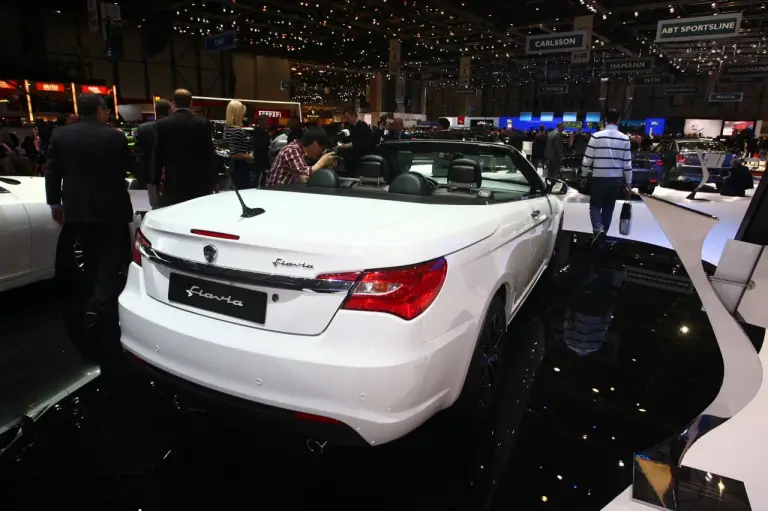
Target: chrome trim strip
point(247, 277)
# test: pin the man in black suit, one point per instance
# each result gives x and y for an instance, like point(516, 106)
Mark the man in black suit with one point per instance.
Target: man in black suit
point(91, 159)
point(145, 150)
point(260, 146)
point(184, 159)
point(396, 131)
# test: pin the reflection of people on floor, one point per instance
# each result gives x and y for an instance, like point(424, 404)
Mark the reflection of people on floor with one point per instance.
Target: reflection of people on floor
point(589, 311)
point(738, 180)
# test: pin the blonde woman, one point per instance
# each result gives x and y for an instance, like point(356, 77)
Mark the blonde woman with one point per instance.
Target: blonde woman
point(239, 142)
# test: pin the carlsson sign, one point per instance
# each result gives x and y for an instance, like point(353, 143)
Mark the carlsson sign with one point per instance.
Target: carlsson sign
point(556, 43)
point(627, 65)
point(744, 69)
point(699, 28)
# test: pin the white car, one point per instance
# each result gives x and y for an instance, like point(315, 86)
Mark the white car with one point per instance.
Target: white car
point(32, 245)
point(354, 309)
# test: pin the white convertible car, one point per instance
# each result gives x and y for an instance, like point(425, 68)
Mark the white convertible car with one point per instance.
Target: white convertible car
point(352, 309)
point(31, 243)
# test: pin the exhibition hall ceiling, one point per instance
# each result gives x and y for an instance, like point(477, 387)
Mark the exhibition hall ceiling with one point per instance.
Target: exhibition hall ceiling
point(434, 34)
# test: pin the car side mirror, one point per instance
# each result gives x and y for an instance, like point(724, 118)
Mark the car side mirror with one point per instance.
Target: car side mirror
point(556, 186)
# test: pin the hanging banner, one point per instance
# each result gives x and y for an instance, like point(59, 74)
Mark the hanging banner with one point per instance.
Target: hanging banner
point(93, 16)
point(699, 28)
point(556, 43)
point(744, 69)
point(652, 81)
point(395, 53)
point(465, 71)
point(553, 89)
point(681, 90)
point(583, 23)
point(726, 97)
point(741, 79)
point(627, 65)
point(49, 87)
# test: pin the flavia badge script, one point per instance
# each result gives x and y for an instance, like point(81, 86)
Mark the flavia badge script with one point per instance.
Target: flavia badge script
point(289, 264)
point(197, 290)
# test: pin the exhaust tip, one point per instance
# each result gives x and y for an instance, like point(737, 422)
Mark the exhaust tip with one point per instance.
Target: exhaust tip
point(316, 446)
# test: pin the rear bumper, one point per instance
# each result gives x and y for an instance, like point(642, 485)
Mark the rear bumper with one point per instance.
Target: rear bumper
point(694, 175)
point(366, 370)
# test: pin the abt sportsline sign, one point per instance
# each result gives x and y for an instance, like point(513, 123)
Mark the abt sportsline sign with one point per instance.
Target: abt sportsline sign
point(702, 27)
point(556, 43)
point(726, 97)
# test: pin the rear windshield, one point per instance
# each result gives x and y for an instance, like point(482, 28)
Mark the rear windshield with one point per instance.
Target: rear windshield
point(700, 145)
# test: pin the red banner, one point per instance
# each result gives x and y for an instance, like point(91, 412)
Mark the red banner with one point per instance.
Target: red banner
point(49, 87)
point(95, 89)
point(8, 84)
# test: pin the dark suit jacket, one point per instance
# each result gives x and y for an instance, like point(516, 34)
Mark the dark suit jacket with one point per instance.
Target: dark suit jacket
point(145, 150)
point(184, 150)
point(260, 144)
point(91, 158)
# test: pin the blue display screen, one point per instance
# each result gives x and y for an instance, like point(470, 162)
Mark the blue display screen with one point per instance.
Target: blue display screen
point(569, 117)
point(526, 116)
point(593, 117)
point(547, 116)
point(654, 126)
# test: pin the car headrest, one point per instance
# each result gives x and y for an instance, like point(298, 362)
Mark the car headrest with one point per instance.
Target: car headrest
point(464, 173)
point(410, 183)
point(324, 178)
point(373, 169)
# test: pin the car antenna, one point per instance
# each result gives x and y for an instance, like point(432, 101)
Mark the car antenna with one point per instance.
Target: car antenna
point(247, 212)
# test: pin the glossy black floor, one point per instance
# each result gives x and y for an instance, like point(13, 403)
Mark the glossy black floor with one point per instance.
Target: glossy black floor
point(611, 354)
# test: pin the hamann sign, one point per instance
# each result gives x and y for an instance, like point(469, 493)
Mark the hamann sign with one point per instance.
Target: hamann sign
point(553, 89)
point(556, 43)
point(726, 97)
point(744, 69)
point(626, 65)
point(702, 27)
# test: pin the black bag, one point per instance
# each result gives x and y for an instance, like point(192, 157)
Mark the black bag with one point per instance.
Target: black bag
point(625, 220)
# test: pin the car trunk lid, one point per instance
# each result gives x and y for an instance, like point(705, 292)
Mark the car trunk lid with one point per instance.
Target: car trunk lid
point(272, 260)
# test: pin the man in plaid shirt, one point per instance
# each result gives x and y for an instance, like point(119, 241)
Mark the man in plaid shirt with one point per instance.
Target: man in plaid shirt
point(290, 166)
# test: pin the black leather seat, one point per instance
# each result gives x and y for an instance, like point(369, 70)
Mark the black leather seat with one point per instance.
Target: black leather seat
point(373, 170)
point(464, 174)
point(324, 178)
point(410, 183)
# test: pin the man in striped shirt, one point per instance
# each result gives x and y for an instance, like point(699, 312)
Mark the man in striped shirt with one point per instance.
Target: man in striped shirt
point(608, 163)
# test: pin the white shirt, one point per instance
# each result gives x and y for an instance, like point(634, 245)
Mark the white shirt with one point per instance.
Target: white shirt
point(608, 154)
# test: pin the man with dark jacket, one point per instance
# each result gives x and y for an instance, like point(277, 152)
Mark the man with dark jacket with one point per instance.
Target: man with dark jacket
point(396, 131)
point(260, 146)
point(184, 159)
point(360, 135)
point(145, 150)
point(91, 159)
point(294, 129)
point(738, 180)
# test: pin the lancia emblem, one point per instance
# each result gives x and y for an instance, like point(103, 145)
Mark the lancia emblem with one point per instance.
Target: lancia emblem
point(210, 253)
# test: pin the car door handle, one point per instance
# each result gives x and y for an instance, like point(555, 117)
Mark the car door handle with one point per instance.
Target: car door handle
point(535, 213)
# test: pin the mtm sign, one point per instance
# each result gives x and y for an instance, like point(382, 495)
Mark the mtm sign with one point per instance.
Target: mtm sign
point(652, 81)
point(556, 43)
point(699, 28)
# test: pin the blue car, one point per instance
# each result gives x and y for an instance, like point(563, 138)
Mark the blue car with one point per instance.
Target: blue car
point(679, 160)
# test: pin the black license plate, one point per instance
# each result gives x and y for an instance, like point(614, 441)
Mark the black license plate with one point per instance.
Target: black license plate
point(233, 301)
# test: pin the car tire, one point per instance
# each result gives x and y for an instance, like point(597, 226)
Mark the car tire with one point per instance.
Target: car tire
point(647, 189)
point(483, 380)
point(664, 181)
point(69, 270)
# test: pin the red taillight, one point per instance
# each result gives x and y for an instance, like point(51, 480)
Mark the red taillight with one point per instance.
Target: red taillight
point(315, 418)
point(680, 159)
point(214, 234)
point(138, 242)
point(405, 292)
